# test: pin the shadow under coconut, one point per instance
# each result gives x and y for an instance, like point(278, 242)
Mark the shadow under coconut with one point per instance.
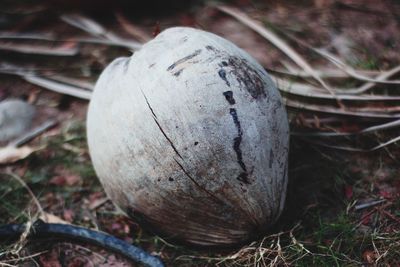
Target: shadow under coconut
point(317, 177)
point(313, 187)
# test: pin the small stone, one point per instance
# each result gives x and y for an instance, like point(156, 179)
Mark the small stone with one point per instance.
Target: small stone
point(15, 118)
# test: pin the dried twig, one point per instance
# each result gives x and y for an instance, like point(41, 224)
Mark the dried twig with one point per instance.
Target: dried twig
point(306, 90)
point(6, 68)
point(23, 239)
point(20, 259)
point(2, 263)
point(390, 216)
point(355, 149)
point(27, 36)
point(97, 30)
point(51, 84)
point(368, 204)
point(98, 203)
point(384, 126)
point(73, 81)
point(391, 141)
point(346, 68)
point(336, 111)
point(132, 29)
point(322, 72)
point(40, 49)
point(382, 77)
point(58, 87)
point(349, 70)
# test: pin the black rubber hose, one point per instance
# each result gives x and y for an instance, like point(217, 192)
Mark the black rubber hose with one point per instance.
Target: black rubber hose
point(71, 232)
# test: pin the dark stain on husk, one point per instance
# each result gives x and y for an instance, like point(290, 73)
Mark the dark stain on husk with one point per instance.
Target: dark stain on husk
point(248, 78)
point(184, 59)
point(243, 176)
point(229, 97)
point(222, 74)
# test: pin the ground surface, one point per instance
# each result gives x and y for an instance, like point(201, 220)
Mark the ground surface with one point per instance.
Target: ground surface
point(323, 223)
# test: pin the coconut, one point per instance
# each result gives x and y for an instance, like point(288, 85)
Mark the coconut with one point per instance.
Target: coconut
point(190, 137)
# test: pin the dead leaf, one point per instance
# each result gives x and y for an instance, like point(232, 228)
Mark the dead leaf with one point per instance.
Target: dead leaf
point(348, 191)
point(11, 154)
point(61, 180)
point(97, 203)
point(69, 215)
point(51, 218)
point(366, 218)
point(132, 29)
point(72, 179)
point(369, 256)
point(50, 260)
point(58, 180)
